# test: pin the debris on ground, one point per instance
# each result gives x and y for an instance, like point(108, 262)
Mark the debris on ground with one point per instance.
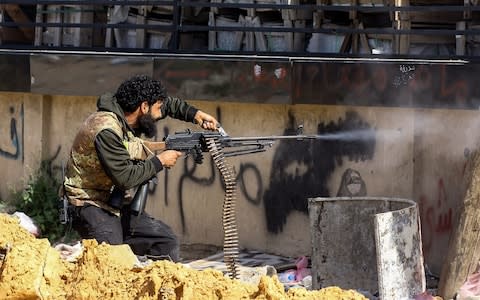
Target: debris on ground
point(427, 296)
point(30, 268)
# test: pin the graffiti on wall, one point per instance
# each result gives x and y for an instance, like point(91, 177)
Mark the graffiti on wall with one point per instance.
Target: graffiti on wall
point(400, 85)
point(246, 173)
point(188, 175)
point(436, 215)
point(12, 147)
point(301, 170)
point(352, 184)
point(406, 74)
point(53, 166)
point(439, 208)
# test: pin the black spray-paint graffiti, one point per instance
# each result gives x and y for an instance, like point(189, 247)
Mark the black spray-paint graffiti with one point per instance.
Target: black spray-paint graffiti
point(352, 184)
point(188, 174)
point(15, 139)
point(246, 173)
point(51, 168)
point(300, 170)
point(249, 170)
point(189, 168)
point(243, 175)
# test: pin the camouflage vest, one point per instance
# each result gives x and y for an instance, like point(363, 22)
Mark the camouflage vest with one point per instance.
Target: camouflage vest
point(86, 180)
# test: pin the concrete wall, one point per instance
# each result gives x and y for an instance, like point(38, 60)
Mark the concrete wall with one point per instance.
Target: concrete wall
point(417, 154)
point(21, 144)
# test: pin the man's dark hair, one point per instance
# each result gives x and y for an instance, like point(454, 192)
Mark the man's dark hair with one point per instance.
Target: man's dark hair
point(132, 92)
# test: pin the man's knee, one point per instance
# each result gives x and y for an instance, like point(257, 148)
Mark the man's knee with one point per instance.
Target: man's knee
point(167, 246)
point(174, 251)
point(92, 222)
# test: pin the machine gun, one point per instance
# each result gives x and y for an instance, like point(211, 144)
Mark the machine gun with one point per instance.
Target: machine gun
point(195, 143)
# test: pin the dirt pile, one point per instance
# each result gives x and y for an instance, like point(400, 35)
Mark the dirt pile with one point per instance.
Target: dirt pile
point(31, 269)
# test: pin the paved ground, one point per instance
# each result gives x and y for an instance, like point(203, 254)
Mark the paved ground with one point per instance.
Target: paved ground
point(198, 251)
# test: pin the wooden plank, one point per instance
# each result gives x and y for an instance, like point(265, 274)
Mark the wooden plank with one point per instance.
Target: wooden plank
point(402, 21)
point(429, 39)
point(468, 15)
point(355, 39)
point(460, 39)
point(463, 251)
point(360, 2)
point(417, 38)
point(64, 36)
point(214, 43)
point(403, 44)
point(436, 2)
point(364, 41)
point(211, 34)
point(38, 29)
point(254, 40)
point(353, 13)
point(140, 32)
point(346, 44)
point(214, 9)
point(436, 17)
point(402, 15)
point(319, 15)
point(299, 37)
point(76, 36)
point(288, 36)
point(52, 35)
point(18, 33)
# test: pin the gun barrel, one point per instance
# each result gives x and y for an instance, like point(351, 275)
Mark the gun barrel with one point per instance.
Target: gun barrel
point(273, 137)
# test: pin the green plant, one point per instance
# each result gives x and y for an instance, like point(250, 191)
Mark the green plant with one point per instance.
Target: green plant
point(39, 200)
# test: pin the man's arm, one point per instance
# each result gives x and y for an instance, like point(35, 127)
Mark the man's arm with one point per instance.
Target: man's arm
point(179, 109)
point(115, 159)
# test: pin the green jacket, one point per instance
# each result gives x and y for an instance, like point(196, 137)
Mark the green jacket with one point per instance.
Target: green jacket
point(101, 158)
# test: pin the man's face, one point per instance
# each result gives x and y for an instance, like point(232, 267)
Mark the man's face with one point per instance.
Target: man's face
point(156, 110)
point(147, 122)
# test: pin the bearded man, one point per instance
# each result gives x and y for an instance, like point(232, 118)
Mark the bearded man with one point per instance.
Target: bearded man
point(106, 161)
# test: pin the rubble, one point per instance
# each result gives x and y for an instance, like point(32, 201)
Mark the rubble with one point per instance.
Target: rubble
point(32, 269)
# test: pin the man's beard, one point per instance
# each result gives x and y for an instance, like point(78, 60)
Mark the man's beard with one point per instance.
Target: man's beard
point(146, 125)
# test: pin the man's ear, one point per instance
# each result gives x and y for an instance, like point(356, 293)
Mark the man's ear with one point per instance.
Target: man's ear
point(144, 107)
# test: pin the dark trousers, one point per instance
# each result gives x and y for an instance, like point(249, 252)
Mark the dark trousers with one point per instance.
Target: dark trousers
point(144, 234)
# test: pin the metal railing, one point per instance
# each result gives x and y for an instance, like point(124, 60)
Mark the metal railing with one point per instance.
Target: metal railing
point(355, 28)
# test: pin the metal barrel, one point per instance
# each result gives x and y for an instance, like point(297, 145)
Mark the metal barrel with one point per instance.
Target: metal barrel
point(367, 243)
point(273, 137)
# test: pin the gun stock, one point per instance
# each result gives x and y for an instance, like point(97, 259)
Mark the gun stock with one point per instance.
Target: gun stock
point(154, 146)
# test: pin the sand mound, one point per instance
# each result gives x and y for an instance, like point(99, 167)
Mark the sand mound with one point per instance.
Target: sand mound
point(31, 269)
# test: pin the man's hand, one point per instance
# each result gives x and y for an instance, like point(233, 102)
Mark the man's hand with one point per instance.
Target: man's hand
point(206, 121)
point(168, 158)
